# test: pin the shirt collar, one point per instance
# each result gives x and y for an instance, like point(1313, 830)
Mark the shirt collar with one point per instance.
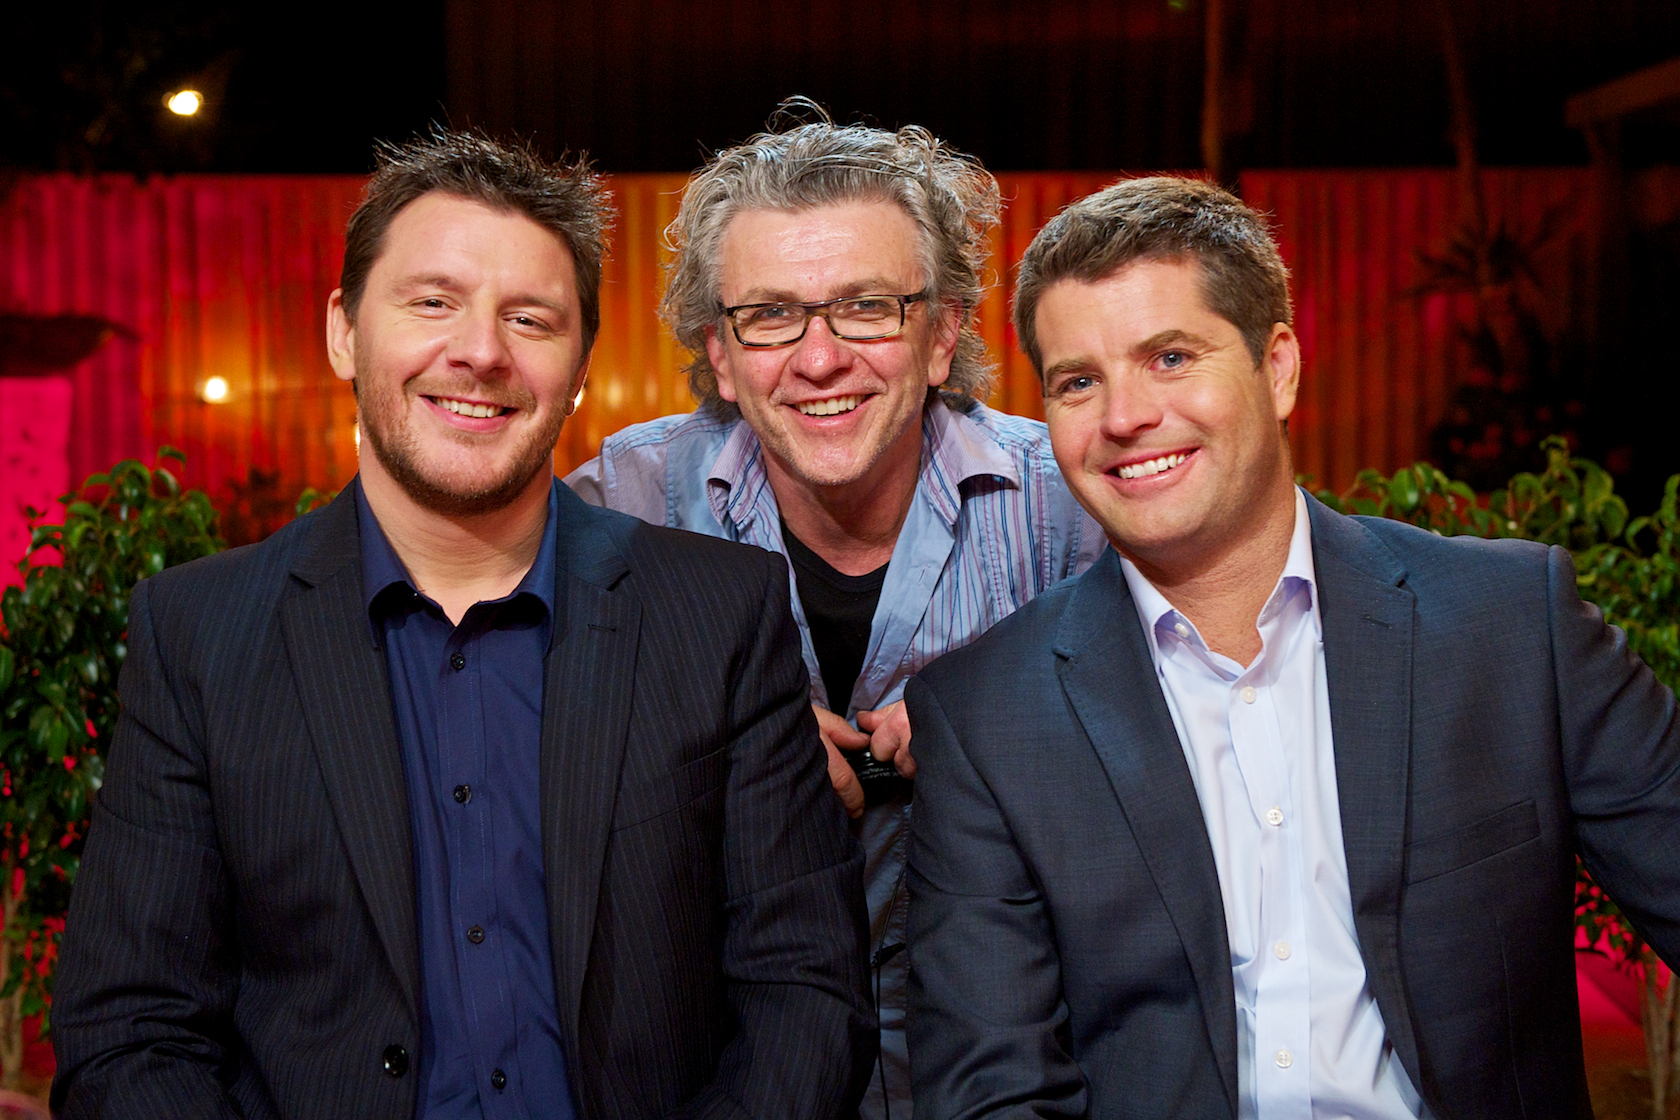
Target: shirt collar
point(383, 569)
point(1156, 613)
point(954, 449)
point(738, 484)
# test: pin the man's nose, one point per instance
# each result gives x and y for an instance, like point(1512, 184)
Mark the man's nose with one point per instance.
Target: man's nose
point(479, 342)
point(819, 354)
point(1130, 406)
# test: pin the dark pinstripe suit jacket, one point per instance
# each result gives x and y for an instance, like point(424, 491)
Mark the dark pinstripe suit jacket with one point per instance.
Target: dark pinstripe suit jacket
point(242, 937)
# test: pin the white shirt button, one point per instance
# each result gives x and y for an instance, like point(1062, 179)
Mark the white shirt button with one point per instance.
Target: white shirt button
point(1248, 694)
point(1274, 816)
point(1183, 630)
point(1281, 950)
point(1284, 1059)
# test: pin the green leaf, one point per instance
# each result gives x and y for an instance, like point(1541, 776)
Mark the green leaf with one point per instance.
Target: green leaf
point(1403, 491)
point(47, 732)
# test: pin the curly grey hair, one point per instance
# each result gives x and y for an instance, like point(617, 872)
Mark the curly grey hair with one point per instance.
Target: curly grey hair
point(950, 197)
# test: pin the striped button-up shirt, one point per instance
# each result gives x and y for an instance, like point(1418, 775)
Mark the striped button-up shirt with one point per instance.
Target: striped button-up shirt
point(991, 525)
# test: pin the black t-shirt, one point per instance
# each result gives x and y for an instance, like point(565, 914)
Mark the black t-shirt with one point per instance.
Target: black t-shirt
point(839, 609)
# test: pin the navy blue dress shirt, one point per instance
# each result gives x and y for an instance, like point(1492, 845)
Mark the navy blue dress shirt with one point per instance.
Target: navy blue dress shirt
point(468, 703)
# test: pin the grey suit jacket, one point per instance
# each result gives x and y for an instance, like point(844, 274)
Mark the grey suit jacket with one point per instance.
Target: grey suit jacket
point(242, 940)
point(1067, 937)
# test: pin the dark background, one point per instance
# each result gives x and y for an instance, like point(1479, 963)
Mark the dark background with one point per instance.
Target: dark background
point(1111, 85)
point(653, 85)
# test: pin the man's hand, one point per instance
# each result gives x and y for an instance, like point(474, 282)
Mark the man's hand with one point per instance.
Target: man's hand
point(838, 735)
point(889, 737)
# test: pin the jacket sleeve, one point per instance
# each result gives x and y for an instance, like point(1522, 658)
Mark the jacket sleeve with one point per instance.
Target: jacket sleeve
point(1621, 757)
point(987, 1018)
point(143, 1008)
point(796, 942)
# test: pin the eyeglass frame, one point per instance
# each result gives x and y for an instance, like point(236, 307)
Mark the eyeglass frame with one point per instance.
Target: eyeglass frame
point(819, 308)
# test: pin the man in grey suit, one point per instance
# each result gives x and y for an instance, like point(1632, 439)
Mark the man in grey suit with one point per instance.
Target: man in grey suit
point(1273, 812)
point(460, 798)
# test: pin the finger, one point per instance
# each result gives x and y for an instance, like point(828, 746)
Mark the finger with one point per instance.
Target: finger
point(890, 734)
point(838, 732)
point(905, 765)
point(844, 780)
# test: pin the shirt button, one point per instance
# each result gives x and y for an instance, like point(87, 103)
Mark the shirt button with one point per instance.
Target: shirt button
point(396, 1060)
point(476, 935)
point(1183, 630)
point(1248, 695)
point(1274, 816)
point(498, 1079)
point(457, 662)
point(1281, 950)
point(463, 794)
point(1284, 1059)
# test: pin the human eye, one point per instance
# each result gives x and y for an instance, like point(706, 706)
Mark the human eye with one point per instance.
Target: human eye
point(531, 324)
point(867, 308)
point(1171, 361)
point(1072, 385)
point(769, 314)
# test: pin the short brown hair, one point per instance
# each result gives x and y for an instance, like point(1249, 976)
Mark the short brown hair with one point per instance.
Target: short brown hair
point(950, 197)
point(566, 198)
point(1244, 280)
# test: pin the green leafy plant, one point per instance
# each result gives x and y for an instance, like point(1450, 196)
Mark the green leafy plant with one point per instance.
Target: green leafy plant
point(63, 643)
point(1631, 570)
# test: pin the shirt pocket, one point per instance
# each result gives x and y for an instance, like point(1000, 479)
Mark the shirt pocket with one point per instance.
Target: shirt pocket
point(667, 793)
point(1498, 832)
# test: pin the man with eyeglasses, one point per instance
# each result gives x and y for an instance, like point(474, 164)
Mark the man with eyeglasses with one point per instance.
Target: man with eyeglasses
point(824, 284)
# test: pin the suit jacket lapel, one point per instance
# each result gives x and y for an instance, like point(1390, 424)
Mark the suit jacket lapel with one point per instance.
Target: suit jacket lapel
point(342, 680)
point(589, 683)
point(1110, 679)
point(1367, 616)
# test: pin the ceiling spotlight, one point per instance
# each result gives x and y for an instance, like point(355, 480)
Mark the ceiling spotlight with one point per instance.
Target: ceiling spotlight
point(215, 390)
point(185, 103)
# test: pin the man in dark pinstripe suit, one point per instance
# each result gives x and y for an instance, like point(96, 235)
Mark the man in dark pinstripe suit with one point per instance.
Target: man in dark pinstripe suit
point(460, 798)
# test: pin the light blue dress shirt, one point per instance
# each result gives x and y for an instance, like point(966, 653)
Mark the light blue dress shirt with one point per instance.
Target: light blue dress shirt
point(991, 525)
point(1310, 1038)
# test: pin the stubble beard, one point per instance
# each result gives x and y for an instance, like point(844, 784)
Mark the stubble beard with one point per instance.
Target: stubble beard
point(398, 453)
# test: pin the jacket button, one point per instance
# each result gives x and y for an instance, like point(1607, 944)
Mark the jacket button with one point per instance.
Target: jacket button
point(463, 794)
point(475, 935)
point(396, 1061)
point(457, 662)
point(498, 1079)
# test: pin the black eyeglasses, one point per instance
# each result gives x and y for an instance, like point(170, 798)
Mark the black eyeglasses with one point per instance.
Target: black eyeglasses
point(854, 318)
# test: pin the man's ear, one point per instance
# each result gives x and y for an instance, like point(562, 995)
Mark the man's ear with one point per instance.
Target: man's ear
point(341, 337)
point(942, 343)
point(578, 380)
point(1283, 369)
point(718, 354)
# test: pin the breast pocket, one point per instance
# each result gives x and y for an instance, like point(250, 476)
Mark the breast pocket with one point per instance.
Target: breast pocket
point(685, 785)
point(1483, 839)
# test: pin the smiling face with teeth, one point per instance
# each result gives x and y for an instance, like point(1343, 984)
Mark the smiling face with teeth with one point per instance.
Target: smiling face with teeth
point(466, 351)
point(835, 416)
point(1166, 430)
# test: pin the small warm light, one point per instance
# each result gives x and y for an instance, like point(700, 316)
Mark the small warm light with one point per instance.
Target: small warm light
point(215, 390)
point(356, 434)
point(185, 103)
point(577, 401)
